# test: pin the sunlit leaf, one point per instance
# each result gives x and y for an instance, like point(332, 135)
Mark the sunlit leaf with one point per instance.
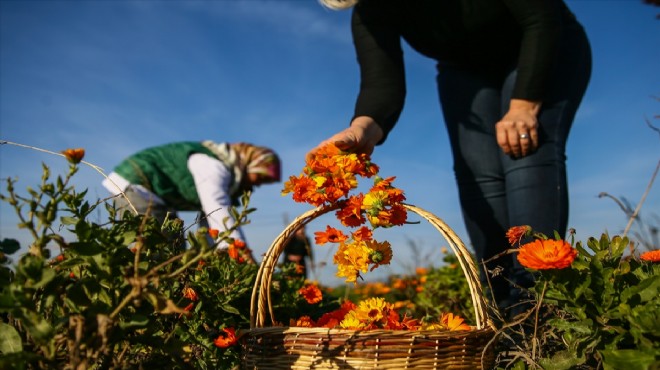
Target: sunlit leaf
point(10, 340)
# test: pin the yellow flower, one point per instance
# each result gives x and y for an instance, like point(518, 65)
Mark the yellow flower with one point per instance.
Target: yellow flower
point(350, 321)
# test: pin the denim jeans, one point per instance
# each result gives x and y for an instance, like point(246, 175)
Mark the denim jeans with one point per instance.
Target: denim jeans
point(496, 191)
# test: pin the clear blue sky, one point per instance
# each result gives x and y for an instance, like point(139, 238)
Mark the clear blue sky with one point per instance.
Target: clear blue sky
point(118, 76)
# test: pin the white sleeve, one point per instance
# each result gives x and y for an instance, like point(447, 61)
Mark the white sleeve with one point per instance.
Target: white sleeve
point(212, 181)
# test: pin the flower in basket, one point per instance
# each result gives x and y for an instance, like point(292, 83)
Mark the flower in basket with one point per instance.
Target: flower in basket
point(327, 178)
point(376, 313)
point(448, 321)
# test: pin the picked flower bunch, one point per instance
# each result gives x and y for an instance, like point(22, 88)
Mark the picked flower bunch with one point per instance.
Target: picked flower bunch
point(327, 179)
point(376, 313)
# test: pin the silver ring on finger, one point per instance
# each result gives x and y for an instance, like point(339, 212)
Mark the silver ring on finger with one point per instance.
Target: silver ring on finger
point(524, 136)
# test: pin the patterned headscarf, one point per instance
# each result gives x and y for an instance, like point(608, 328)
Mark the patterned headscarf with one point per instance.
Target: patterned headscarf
point(244, 158)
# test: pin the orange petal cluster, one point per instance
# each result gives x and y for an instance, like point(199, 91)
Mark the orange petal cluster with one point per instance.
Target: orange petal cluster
point(190, 293)
point(376, 313)
point(311, 293)
point(74, 155)
point(213, 233)
point(227, 339)
point(516, 233)
point(327, 178)
point(546, 254)
point(236, 250)
point(651, 256)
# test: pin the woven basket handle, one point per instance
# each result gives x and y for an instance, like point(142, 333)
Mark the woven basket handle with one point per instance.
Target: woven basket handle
point(261, 299)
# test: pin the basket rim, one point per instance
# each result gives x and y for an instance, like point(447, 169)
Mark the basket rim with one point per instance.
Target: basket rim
point(261, 297)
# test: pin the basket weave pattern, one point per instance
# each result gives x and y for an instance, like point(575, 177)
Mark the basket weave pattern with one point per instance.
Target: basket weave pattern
point(277, 347)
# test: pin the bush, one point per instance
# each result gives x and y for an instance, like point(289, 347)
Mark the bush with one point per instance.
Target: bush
point(125, 294)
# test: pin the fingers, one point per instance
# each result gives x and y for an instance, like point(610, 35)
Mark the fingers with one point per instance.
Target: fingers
point(517, 139)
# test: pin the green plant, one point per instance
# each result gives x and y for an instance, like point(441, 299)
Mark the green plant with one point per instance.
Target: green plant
point(602, 312)
point(130, 293)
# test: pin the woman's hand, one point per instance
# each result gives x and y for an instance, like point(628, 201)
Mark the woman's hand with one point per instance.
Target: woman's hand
point(361, 137)
point(517, 131)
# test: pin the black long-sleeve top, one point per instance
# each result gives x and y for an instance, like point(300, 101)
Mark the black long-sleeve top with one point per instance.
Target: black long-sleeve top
point(487, 36)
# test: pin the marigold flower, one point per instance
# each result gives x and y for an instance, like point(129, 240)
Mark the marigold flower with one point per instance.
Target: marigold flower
point(233, 252)
point(74, 155)
point(651, 256)
point(239, 244)
point(516, 233)
point(363, 233)
point(381, 253)
point(214, 233)
point(190, 293)
point(330, 235)
point(350, 214)
point(312, 293)
point(546, 254)
point(302, 322)
point(227, 339)
point(453, 322)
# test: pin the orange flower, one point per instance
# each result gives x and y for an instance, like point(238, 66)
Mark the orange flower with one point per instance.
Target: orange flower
point(453, 322)
point(350, 214)
point(311, 293)
point(363, 233)
point(232, 252)
point(651, 256)
point(516, 233)
point(188, 308)
point(74, 155)
point(239, 244)
point(227, 339)
point(302, 322)
point(546, 254)
point(190, 293)
point(214, 233)
point(330, 235)
point(60, 258)
point(333, 318)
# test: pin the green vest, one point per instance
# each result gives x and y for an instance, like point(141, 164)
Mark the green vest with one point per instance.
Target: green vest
point(164, 171)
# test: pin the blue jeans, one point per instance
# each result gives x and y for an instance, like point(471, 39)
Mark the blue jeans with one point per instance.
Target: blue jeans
point(496, 191)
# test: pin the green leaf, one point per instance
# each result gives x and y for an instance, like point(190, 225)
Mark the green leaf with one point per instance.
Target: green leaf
point(67, 220)
point(230, 309)
point(9, 246)
point(10, 341)
point(563, 360)
point(629, 359)
point(618, 246)
point(86, 249)
point(46, 277)
point(647, 289)
point(137, 321)
point(583, 327)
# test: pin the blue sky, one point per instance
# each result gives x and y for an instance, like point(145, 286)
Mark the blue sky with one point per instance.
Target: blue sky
point(118, 76)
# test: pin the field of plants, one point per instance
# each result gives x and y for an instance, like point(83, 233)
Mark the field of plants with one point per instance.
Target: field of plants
point(130, 293)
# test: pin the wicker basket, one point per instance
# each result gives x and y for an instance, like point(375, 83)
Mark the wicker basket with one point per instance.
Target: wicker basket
point(277, 347)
